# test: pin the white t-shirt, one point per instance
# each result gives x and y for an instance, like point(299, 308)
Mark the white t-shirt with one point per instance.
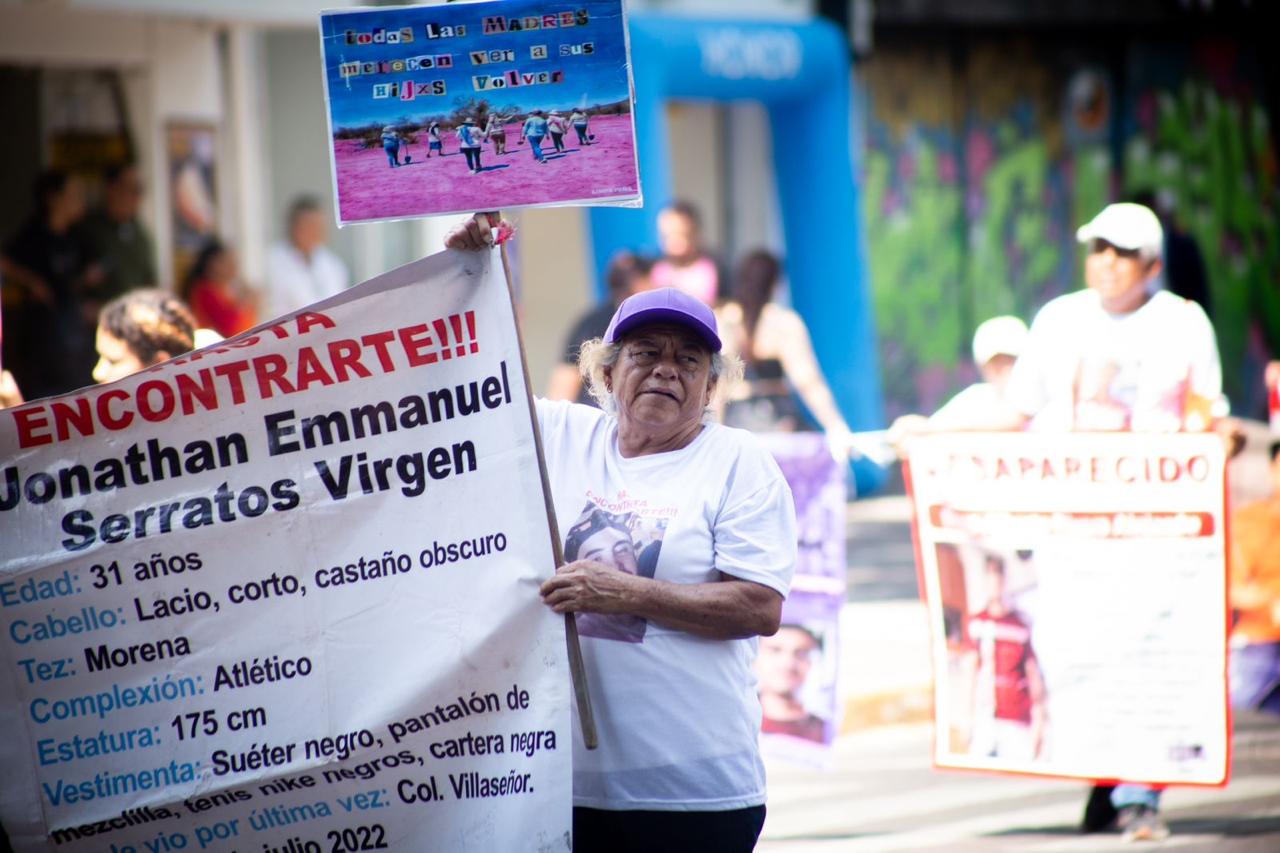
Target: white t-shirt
point(677, 715)
point(1152, 370)
point(971, 405)
point(292, 282)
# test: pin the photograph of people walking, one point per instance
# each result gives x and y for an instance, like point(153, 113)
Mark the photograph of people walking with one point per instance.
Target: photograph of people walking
point(410, 79)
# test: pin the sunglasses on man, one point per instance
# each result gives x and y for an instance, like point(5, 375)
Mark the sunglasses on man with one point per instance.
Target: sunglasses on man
point(1097, 246)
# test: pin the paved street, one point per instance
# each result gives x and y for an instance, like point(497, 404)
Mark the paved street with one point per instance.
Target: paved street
point(880, 794)
point(879, 553)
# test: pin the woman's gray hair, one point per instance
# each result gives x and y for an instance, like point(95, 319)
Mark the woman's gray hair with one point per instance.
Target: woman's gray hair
point(595, 355)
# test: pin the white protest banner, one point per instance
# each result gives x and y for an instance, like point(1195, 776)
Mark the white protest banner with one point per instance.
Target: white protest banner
point(282, 594)
point(1076, 587)
point(796, 668)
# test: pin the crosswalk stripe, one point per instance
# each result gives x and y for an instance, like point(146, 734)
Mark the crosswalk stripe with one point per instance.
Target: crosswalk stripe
point(819, 820)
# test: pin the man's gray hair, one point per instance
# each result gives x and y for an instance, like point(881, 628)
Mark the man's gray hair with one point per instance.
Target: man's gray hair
point(595, 355)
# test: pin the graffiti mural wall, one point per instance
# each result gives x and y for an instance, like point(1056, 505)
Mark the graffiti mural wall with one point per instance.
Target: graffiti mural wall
point(1197, 133)
point(982, 157)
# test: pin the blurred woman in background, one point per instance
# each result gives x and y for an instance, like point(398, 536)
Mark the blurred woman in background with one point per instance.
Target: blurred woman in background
point(218, 299)
point(774, 344)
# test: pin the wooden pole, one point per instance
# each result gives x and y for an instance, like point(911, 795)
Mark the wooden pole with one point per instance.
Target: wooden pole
point(577, 670)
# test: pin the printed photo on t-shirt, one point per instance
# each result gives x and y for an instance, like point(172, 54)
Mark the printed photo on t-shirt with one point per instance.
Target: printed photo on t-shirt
point(627, 542)
point(1113, 393)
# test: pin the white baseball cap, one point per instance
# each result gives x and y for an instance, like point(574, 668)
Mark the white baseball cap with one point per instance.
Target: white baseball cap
point(1126, 226)
point(999, 336)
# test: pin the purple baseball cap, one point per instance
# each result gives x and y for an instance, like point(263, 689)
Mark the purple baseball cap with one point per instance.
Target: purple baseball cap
point(664, 305)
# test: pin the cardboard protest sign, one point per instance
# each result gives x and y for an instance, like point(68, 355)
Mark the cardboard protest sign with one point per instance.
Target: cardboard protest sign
point(282, 593)
point(1076, 587)
point(796, 667)
point(479, 106)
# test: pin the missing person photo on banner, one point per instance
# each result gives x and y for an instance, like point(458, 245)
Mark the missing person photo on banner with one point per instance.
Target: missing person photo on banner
point(797, 668)
point(996, 688)
point(479, 106)
point(794, 670)
point(1076, 591)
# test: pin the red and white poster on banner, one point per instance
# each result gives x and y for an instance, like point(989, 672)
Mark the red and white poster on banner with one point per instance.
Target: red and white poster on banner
point(1076, 588)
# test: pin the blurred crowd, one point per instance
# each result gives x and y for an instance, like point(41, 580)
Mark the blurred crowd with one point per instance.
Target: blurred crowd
point(61, 267)
point(69, 261)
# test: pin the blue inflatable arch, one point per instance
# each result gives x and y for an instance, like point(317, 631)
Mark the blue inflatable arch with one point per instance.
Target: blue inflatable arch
point(801, 75)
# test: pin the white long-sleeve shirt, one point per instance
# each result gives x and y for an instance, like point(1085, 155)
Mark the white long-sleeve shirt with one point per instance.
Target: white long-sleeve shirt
point(293, 281)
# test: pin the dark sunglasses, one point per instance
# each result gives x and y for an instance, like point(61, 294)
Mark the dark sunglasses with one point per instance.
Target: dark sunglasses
point(1097, 246)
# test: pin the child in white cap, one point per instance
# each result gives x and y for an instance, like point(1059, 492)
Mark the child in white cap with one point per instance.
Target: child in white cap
point(997, 343)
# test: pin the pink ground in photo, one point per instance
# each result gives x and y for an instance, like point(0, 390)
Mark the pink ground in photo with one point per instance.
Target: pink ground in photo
point(369, 188)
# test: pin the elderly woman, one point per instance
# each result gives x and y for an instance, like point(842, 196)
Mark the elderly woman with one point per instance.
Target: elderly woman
point(678, 766)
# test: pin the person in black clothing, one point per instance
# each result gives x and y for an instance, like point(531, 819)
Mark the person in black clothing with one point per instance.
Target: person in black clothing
point(1185, 274)
point(628, 273)
point(115, 237)
point(48, 341)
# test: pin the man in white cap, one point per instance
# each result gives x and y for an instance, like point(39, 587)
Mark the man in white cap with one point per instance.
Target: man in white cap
point(1121, 354)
